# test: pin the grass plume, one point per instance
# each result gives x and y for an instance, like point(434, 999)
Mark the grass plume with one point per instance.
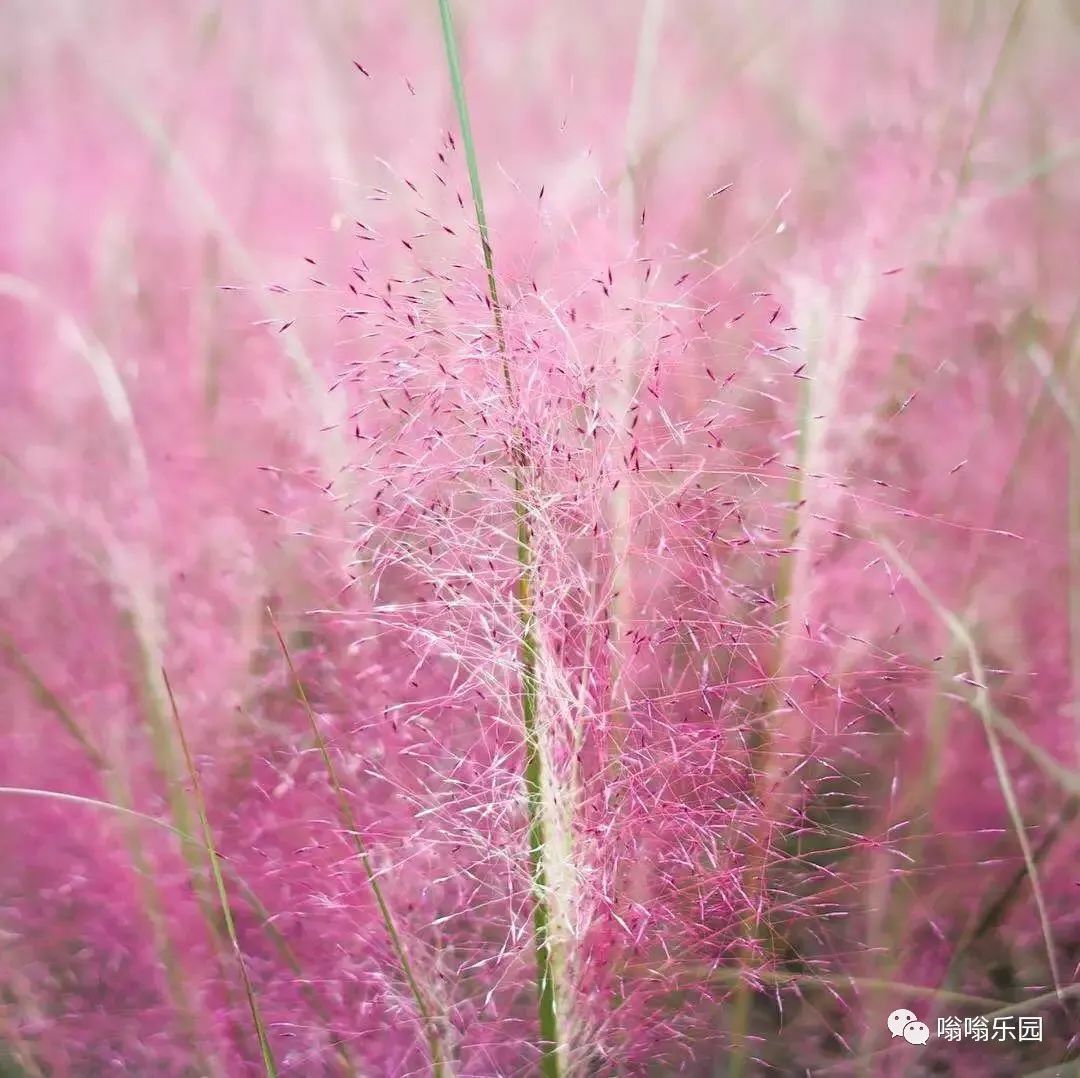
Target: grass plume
point(528, 648)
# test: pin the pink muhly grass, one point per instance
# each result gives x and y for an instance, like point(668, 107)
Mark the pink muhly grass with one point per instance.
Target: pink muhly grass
point(550, 1047)
point(689, 645)
point(443, 547)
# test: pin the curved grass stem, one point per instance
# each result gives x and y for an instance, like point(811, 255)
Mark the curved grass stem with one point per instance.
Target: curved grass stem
point(269, 1064)
point(349, 824)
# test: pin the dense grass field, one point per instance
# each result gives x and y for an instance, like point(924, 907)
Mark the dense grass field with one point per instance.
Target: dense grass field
point(539, 538)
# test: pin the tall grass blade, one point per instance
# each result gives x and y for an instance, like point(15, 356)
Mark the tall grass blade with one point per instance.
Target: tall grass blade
point(219, 882)
point(982, 706)
point(529, 646)
point(349, 824)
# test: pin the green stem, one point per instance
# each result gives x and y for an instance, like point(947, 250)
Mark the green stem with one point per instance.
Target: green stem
point(534, 791)
point(223, 894)
point(348, 822)
point(529, 646)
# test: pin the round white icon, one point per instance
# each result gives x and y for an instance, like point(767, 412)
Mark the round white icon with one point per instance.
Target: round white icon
point(899, 1019)
point(916, 1033)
